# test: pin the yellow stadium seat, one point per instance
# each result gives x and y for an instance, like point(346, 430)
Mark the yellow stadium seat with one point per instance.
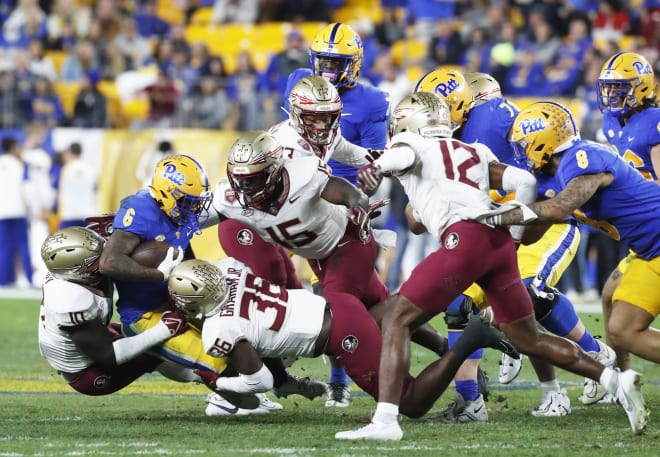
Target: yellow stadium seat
point(109, 89)
point(170, 11)
point(67, 92)
point(409, 52)
point(58, 59)
point(414, 73)
point(137, 108)
point(202, 16)
point(628, 43)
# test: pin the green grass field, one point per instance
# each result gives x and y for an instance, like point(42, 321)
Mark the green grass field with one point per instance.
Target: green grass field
point(41, 416)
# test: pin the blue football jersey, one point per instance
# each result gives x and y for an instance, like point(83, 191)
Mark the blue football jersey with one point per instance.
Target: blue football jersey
point(140, 214)
point(489, 124)
point(625, 210)
point(364, 118)
point(634, 140)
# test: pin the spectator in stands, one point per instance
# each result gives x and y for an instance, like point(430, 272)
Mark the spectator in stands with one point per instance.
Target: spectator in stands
point(178, 36)
point(425, 13)
point(108, 18)
point(134, 47)
point(14, 214)
point(445, 45)
point(13, 107)
point(235, 11)
point(393, 79)
point(34, 28)
point(612, 21)
point(199, 59)
point(162, 146)
point(295, 55)
point(216, 69)
point(77, 188)
point(546, 42)
point(148, 23)
point(302, 11)
point(79, 60)
point(391, 28)
point(40, 63)
point(526, 75)
point(113, 63)
point(69, 19)
point(91, 106)
point(163, 99)
point(476, 51)
point(246, 89)
point(162, 55)
point(208, 106)
point(24, 77)
point(182, 72)
point(11, 28)
point(45, 105)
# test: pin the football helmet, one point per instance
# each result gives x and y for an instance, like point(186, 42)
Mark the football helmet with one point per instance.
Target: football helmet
point(315, 110)
point(181, 188)
point(483, 86)
point(336, 54)
point(541, 130)
point(423, 113)
point(254, 167)
point(625, 83)
point(197, 287)
point(73, 253)
point(450, 86)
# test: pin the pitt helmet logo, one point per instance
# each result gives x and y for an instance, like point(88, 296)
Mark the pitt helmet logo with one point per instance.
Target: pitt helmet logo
point(642, 68)
point(175, 176)
point(532, 125)
point(446, 88)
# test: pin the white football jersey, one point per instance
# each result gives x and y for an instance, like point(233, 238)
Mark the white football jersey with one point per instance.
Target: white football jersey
point(301, 220)
point(295, 145)
point(67, 304)
point(275, 321)
point(447, 176)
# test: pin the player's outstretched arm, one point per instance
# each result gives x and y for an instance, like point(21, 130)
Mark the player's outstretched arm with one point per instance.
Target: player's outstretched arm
point(116, 262)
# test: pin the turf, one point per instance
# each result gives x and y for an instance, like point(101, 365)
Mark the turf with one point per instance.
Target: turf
point(41, 416)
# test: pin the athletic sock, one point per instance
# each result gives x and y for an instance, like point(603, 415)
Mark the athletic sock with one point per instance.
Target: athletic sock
point(468, 389)
point(338, 376)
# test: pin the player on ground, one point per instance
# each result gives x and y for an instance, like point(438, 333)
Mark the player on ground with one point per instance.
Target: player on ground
point(246, 318)
point(631, 123)
point(447, 182)
point(336, 54)
point(541, 263)
point(75, 333)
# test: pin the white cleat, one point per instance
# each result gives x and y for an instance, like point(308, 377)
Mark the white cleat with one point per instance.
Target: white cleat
point(593, 392)
point(460, 410)
point(553, 404)
point(373, 432)
point(218, 406)
point(339, 396)
point(629, 396)
point(509, 369)
point(267, 404)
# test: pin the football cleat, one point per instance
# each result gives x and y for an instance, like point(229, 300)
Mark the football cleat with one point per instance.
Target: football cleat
point(218, 406)
point(339, 395)
point(373, 432)
point(482, 383)
point(553, 404)
point(267, 404)
point(509, 369)
point(461, 410)
point(593, 392)
point(629, 396)
point(307, 387)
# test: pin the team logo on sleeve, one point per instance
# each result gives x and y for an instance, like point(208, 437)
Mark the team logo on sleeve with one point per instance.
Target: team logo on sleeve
point(349, 343)
point(452, 240)
point(245, 237)
point(102, 382)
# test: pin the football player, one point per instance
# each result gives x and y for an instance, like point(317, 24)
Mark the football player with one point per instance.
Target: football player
point(75, 332)
point(170, 210)
point(447, 182)
point(336, 55)
point(609, 196)
point(631, 124)
point(246, 318)
point(488, 119)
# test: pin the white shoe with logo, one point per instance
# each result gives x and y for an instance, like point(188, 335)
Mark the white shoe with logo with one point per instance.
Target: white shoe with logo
point(373, 432)
point(593, 392)
point(509, 369)
point(218, 406)
point(553, 404)
point(460, 410)
point(629, 396)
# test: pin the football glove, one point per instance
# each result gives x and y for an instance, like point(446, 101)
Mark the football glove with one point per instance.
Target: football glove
point(175, 322)
point(169, 262)
point(369, 178)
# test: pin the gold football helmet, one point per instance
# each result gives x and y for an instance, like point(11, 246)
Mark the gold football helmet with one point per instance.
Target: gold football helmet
point(336, 54)
point(254, 167)
point(483, 86)
point(181, 188)
point(450, 86)
point(72, 254)
point(315, 110)
point(422, 112)
point(197, 287)
point(541, 130)
point(625, 83)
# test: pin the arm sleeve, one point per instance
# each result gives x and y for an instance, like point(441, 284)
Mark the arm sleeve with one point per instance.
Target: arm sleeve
point(132, 346)
point(350, 154)
point(397, 158)
point(258, 382)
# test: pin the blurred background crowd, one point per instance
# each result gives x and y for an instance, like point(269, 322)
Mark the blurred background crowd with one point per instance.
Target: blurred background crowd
point(223, 65)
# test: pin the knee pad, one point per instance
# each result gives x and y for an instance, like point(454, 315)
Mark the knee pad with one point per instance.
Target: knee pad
point(458, 313)
point(543, 300)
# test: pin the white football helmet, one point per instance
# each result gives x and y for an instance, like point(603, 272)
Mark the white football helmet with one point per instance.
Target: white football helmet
point(483, 86)
point(423, 113)
point(198, 288)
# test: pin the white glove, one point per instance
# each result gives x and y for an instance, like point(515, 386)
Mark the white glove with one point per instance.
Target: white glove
point(169, 262)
